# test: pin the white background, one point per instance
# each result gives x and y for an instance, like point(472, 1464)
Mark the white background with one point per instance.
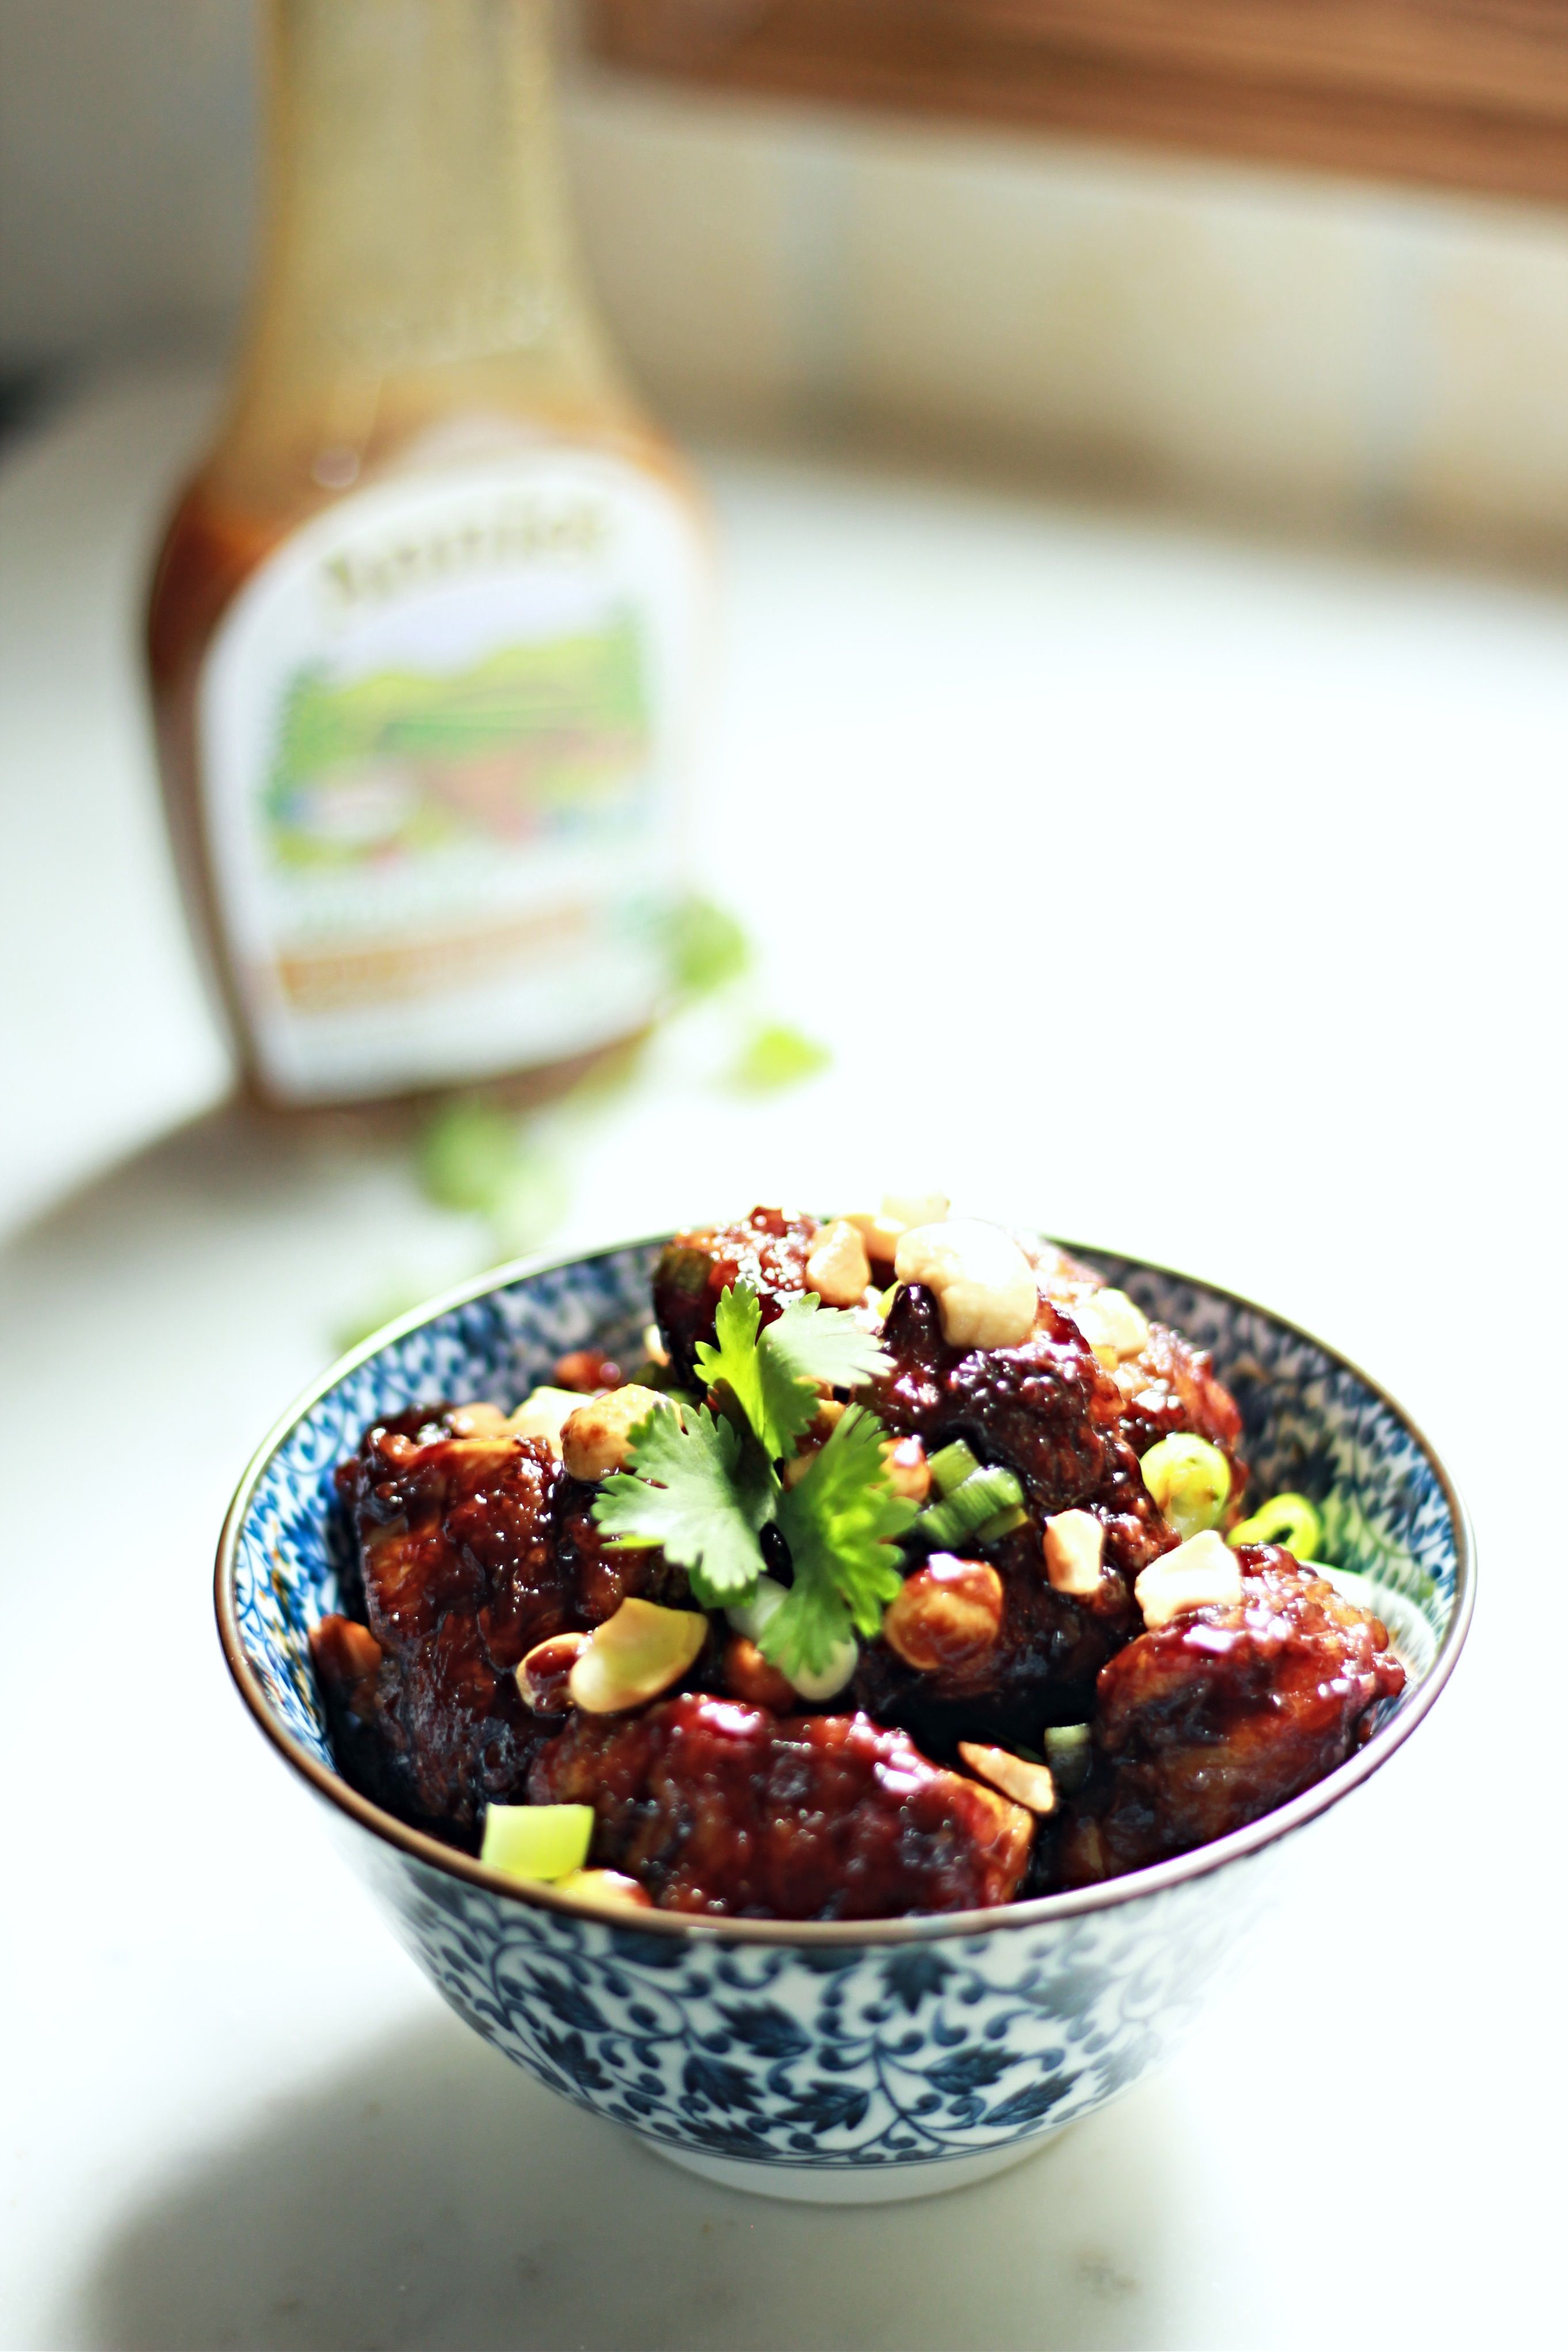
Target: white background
point(1197, 897)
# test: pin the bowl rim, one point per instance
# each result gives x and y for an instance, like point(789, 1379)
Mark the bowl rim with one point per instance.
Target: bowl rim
point(1040, 1910)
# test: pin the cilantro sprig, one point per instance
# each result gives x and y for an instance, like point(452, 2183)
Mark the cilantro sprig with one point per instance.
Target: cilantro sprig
point(698, 1491)
point(706, 1484)
point(774, 1374)
point(839, 1521)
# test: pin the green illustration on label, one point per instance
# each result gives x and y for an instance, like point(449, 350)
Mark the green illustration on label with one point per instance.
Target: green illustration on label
point(537, 741)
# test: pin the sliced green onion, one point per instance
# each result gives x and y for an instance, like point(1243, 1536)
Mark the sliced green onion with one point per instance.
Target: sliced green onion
point(1006, 1523)
point(884, 1303)
point(1068, 1751)
point(952, 1466)
point(1288, 1519)
point(535, 1842)
point(1190, 1481)
point(981, 1498)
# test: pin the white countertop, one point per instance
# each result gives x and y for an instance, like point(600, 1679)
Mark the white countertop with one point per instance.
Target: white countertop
point(1221, 886)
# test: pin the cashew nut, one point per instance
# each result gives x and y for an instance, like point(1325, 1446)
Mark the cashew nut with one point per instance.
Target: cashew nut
point(1114, 1327)
point(1074, 1545)
point(1202, 1573)
point(634, 1656)
point(985, 1286)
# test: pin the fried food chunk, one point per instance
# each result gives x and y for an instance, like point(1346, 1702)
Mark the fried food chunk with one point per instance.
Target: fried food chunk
point(1223, 1715)
point(461, 1575)
point(472, 1548)
point(1169, 1386)
point(1040, 1668)
point(1048, 1409)
point(725, 1809)
point(768, 1249)
point(1049, 1412)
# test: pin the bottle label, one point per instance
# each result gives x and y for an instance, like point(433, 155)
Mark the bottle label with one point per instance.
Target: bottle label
point(442, 730)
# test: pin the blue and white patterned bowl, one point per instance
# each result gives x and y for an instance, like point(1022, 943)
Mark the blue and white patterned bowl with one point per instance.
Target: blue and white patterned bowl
point(843, 2062)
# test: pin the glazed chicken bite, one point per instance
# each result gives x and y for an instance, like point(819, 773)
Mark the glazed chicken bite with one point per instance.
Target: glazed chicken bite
point(720, 1807)
point(1166, 1384)
point(474, 1545)
point(1223, 1714)
point(768, 1249)
point(1047, 1411)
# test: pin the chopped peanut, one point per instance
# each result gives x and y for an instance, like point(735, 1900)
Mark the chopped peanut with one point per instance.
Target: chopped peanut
point(544, 1672)
point(1029, 1785)
point(654, 1347)
point(883, 1231)
point(749, 1676)
point(348, 1657)
point(829, 1413)
point(612, 1888)
point(879, 1235)
point(985, 1286)
point(588, 1370)
point(837, 1269)
point(478, 1421)
point(947, 1612)
point(1113, 1326)
point(1202, 1573)
point(908, 1470)
point(634, 1656)
point(596, 1440)
point(1074, 1545)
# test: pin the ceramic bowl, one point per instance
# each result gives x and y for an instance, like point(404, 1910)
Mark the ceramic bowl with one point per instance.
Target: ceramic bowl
point(843, 2062)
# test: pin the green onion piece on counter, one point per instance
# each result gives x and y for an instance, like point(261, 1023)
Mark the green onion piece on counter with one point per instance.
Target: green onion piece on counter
point(1288, 1519)
point(1068, 1751)
point(959, 1515)
point(469, 1155)
point(952, 1466)
point(1006, 1523)
point(1190, 1481)
point(535, 1842)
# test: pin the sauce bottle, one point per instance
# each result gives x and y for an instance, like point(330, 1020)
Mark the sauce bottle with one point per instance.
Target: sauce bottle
point(424, 627)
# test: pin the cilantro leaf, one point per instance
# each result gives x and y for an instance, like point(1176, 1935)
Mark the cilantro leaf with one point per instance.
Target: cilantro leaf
point(813, 1342)
point(774, 1374)
point(776, 1055)
point(698, 1492)
point(706, 947)
point(779, 1405)
point(838, 1522)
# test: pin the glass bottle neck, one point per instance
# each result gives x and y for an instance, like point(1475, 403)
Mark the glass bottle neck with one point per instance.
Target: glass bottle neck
point(417, 255)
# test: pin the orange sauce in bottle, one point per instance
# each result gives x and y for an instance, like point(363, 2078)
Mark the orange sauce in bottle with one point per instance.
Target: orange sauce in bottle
point(426, 626)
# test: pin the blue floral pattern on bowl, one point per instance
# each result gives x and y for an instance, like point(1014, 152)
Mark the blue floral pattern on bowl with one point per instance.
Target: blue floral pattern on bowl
point(870, 2057)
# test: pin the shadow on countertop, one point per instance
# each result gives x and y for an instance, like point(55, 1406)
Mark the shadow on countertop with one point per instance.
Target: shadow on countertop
point(432, 2195)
